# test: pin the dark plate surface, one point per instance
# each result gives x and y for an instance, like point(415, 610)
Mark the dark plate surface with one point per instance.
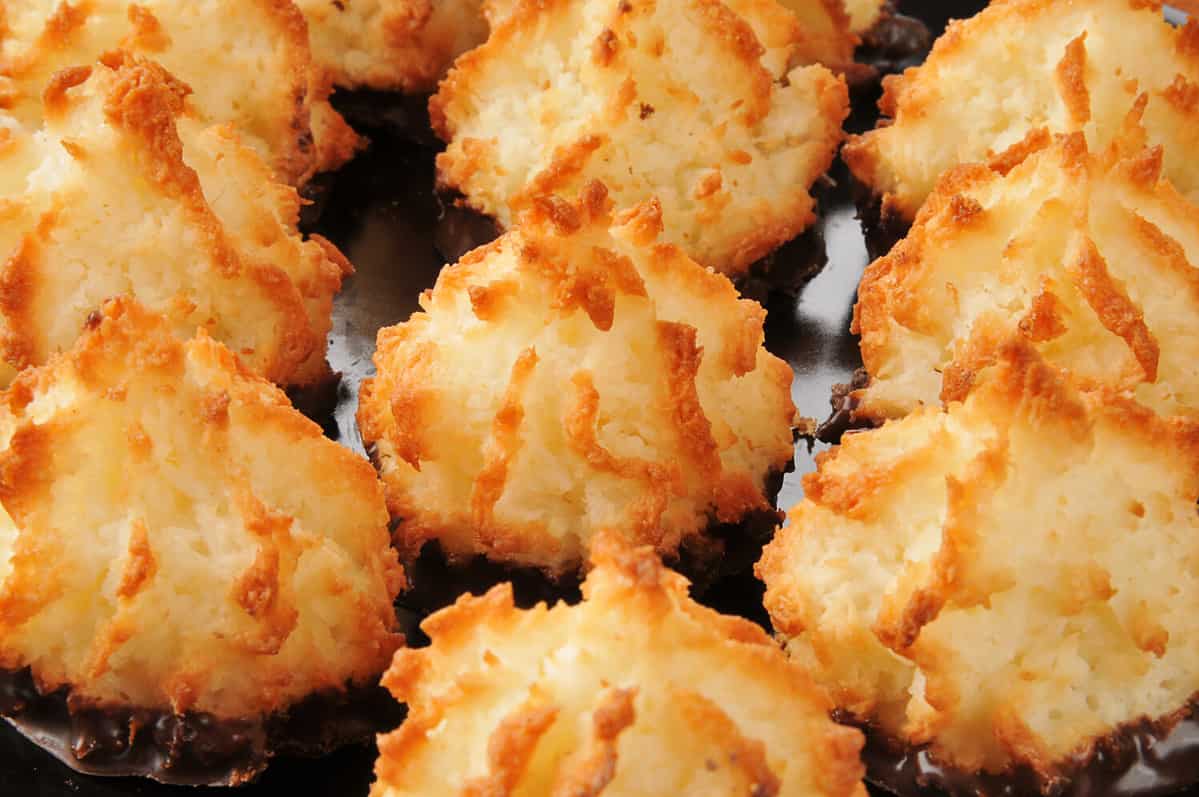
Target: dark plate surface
point(382, 212)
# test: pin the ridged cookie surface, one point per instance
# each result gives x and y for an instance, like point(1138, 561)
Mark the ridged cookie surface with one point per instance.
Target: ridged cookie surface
point(1008, 581)
point(123, 193)
point(573, 376)
point(697, 102)
point(636, 691)
point(247, 62)
point(1093, 258)
point(175, 536)
point(1025, 70)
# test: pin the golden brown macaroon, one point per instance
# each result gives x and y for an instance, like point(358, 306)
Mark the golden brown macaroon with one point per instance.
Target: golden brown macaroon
point(122, 192)
point(696, 102)
point(1007, 581)
point(247, 62)
point(1025, 70)
point(638, 690)
point(405, 45)
point(176, 538)
point(1093, 258)
point(576, 375)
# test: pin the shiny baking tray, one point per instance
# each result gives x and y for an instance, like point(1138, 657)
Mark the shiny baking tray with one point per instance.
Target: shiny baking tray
point(383, 212)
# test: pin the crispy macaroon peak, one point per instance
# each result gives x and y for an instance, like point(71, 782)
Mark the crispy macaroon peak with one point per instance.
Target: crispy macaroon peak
point(708, 106)
point(405, 45)
point(123, 192)
point(637, 690)
point(175, 536)
point(1009, 581)
point(248, 64)
point(1023, 71)
point(1091, 257)
point(575, 375)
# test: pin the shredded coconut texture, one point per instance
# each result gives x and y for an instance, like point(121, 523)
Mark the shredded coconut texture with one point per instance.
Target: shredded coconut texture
point(638, 690)
point(175, 536)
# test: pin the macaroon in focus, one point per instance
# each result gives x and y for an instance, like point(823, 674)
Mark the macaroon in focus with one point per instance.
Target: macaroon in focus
point(1021, 72)
point(716, 109)
point(124, 192)
point(638, 690)
point(1092, 257)
point(577, 375)
point(184, 559)
point(1007, 585)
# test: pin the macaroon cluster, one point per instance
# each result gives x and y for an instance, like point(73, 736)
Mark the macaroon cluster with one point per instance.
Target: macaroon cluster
point(576, 375)
point(176, 537)
point(636, 691)
point(1091, 257)
point(1019, 73)
point(1003, 583)
point(124, 192)
point(718, 110)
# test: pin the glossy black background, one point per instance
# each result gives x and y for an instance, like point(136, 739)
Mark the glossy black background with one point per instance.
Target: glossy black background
point(382, 212)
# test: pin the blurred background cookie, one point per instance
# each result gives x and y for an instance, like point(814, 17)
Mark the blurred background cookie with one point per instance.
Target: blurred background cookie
point(1021, 71)
point(398, 45)
point(247, 63)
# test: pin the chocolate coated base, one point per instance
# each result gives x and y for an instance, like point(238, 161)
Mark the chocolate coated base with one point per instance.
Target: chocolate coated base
point(1140, 760)
point(191, 749)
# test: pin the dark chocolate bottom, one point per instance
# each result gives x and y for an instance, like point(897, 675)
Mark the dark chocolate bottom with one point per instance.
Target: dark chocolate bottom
point(1139, 760)
point(842, 421)
point(460, 229)
point(882, 229)
point(719, 565)
point(387, 114)
point(191, 749)
point(318, 401)
point(894, 43)
point(787, 269)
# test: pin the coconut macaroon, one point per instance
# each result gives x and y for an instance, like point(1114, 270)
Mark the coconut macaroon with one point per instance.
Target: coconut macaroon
point(247, 63)
point(1024, 70)
point(1007, 581)
point(122, 192)
point(177, 539)
point(576, 375)
point(405, 45)
point(695, 103)
point(1092, 258)
point(637, 690)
